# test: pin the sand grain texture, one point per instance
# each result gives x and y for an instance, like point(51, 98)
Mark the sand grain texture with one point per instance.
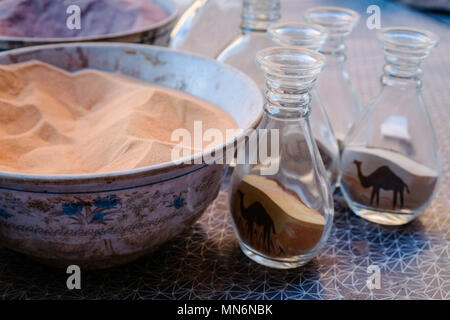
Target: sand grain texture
point(56, 122)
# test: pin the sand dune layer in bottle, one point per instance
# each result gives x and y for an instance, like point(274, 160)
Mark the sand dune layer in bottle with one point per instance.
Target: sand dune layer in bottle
point(273, 220)
point(386, 180)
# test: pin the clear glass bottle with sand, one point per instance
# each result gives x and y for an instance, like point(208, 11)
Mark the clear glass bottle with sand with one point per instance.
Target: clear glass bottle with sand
point(390, 163)
point(280, 199)
point(183, 28)
point(312, 36)
point(206, 26)
point(334, 85)
point(256, 15)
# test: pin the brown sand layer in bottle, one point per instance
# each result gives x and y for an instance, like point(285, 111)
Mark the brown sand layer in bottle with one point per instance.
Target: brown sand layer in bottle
point(56, 122)
point(380, 178)
point(47, 18)
point(273, 220)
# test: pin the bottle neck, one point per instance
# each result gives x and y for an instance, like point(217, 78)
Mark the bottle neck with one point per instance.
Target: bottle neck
point(257, 15)
point(333, 45)
point(287, 100)
point(405, 49)
point(334, 50)
point(335, 58)
point(290, 73)
point(401, 71)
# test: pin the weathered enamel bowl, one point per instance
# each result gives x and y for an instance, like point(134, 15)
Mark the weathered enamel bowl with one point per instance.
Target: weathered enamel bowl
point(156, 33)
point(101, 220)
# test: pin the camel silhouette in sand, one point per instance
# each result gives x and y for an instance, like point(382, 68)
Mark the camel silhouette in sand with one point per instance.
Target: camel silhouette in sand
point(382, 178)
point(256, 214)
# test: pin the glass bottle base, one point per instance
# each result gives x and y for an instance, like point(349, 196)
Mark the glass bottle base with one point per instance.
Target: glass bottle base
point(381, 216)
point(282, 263)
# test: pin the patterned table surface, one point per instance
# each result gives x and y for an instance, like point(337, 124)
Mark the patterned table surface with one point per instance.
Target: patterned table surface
point(205, 262)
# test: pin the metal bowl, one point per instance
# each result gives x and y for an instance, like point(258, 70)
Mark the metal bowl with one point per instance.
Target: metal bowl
point(102, 220)
point(156, 33)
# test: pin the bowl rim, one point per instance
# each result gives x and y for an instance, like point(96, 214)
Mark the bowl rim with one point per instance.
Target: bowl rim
point(157, 168)
point(169, 5)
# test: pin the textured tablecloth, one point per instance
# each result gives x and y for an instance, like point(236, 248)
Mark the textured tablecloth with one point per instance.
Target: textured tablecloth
point(205, 261)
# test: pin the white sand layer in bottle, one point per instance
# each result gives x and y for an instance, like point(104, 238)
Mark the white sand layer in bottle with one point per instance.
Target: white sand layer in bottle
point(385, 173)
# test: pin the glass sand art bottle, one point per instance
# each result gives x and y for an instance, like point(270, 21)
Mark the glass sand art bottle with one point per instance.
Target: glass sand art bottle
point(186, 23)
point(281, 202)
point(334, 86)
point(312, 36)
point(197, 32)
point(257, 15)
point(390, 163)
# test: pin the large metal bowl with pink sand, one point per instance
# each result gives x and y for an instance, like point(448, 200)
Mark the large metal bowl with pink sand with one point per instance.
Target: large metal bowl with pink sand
point(157, 33)
point(102, 220)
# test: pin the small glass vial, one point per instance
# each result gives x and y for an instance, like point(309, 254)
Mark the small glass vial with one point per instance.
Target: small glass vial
point(334, 86)
point(281, 203)
point(312, 36)
point(390, 165)
point(257, 15)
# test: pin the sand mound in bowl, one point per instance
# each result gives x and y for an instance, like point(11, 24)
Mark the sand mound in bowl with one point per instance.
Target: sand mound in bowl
point(47, 18)
point(56, 122)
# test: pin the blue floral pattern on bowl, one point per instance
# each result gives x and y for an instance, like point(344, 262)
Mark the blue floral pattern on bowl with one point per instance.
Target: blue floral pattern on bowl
point(178, 202)
point(71, 209)
point(107, 202)
point(99, 229)
point(4, 215)
point(91, 211)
